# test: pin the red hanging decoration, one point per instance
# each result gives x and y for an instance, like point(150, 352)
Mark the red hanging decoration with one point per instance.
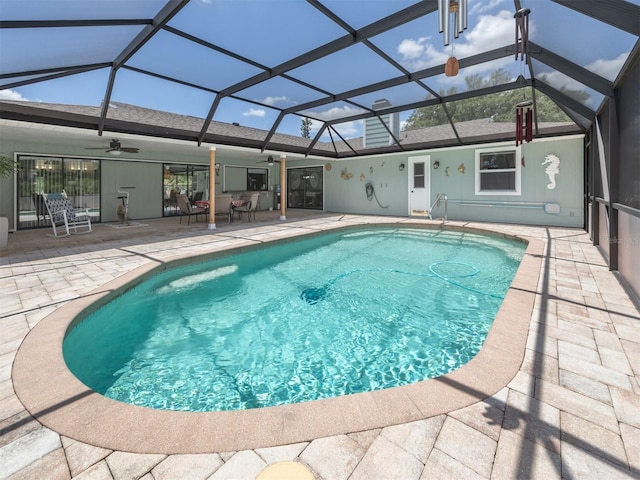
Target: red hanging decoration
point(524, 122)
point(522, 33)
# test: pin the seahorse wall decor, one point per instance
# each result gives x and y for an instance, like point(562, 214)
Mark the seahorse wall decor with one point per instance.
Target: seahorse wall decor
point(552, 161)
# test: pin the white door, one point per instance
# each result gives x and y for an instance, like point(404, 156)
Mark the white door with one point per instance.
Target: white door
point(419, 182)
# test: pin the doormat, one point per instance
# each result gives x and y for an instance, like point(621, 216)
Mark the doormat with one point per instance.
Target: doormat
point(124, 225)
point(420, 213)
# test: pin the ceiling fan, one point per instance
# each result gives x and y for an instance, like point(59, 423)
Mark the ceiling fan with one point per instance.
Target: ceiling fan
point(270, 160)
point(115, 148)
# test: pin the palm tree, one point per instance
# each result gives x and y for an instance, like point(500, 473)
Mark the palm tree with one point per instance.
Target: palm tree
point(7, 166)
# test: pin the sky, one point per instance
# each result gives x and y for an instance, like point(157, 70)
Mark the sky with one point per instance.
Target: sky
point(270, 33)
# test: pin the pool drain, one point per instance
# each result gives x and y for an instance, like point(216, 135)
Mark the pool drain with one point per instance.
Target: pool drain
point(313, 295)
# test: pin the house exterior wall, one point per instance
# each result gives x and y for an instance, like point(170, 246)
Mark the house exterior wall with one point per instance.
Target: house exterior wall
point(145, 199)
point(628, 248)
point(345, 186)
point(345, 183)
point(143, 170)
point(347, 194)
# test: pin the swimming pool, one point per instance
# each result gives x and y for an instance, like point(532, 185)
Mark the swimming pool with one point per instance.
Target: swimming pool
point(369, 309)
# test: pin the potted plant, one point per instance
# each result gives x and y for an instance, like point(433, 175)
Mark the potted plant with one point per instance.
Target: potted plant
point(7, 167)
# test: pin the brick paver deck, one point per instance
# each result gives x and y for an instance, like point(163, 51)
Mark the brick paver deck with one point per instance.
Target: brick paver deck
point(571, 411)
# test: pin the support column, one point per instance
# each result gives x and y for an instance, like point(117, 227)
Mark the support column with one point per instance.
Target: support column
point(283, 187)
point(212, 188)
point(614, 177)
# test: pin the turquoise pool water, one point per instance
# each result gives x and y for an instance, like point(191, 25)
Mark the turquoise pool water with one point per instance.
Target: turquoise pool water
point(345, 312)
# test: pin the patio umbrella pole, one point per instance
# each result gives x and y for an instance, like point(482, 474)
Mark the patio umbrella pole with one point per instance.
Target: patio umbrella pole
point(283, 187)
point(212, 188)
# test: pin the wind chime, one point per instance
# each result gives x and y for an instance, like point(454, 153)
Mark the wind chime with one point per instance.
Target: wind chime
point(524, 114)
point(522, 33)
point(524, 122)
point(460, 12)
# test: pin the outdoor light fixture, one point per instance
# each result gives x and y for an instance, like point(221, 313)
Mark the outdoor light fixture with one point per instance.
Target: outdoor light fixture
point(217, 168)
point(436, 165)
point(460, 12)
point(401, 167)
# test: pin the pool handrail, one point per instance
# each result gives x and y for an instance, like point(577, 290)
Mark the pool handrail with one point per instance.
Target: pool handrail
point(436, 203)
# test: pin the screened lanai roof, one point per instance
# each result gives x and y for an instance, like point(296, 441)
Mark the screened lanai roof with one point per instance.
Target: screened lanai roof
point(251, 72)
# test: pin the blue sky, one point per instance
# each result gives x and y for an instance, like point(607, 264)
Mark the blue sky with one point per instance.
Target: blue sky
point(269, 33)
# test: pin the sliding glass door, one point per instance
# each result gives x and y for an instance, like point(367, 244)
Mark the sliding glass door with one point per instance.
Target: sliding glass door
point(304, 188)
point(191, 180)
point(78, 177)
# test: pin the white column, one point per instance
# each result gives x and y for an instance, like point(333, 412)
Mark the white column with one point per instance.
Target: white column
point(212, 188)
point(283, 187)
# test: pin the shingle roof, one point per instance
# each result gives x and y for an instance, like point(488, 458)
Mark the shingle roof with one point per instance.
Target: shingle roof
point(127, 118)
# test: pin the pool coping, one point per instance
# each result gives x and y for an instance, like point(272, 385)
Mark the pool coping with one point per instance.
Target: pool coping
point(56, 398)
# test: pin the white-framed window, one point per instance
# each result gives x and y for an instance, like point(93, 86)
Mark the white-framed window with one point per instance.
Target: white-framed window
point(498, 171)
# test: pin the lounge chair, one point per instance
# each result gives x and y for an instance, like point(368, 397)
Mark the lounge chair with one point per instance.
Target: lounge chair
point(65, 219)
point(250, 206)
point(187, 209)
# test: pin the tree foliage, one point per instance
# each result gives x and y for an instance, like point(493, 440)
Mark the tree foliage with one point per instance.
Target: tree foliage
point(7, 166)
point(305, 128)
point(498, 106)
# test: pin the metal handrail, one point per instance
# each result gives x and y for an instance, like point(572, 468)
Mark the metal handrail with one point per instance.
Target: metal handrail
point(436, 203)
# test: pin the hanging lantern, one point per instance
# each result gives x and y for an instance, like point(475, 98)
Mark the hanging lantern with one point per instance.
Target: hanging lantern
point(522, 33)
point(524, 122)
point(460, 13)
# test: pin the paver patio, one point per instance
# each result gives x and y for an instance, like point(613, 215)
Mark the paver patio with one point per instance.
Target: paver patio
point(571, 411)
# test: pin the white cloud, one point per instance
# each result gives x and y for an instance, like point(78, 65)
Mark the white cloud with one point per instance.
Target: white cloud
point(277, 100)
point(11, 95)
point(559, 80)
point(336, 112)
point(484, 6)
point(348, 129)
point(489, 32)
point(420, 54)
point(411, 49)
point(608, 69)
point(254, 112)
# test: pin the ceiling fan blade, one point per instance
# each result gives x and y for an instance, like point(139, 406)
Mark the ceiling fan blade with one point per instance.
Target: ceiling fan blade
point(130, 149)
point(270, 160)
point(95, 148)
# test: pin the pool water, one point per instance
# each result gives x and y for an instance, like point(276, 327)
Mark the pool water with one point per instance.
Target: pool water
point(335, 314)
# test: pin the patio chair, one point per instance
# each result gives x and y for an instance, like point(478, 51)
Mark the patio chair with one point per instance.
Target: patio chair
point(249, 207)
point(65, 219)
point(187, 209)
point(224, 206)
point(41, 210)
point(197, 196)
